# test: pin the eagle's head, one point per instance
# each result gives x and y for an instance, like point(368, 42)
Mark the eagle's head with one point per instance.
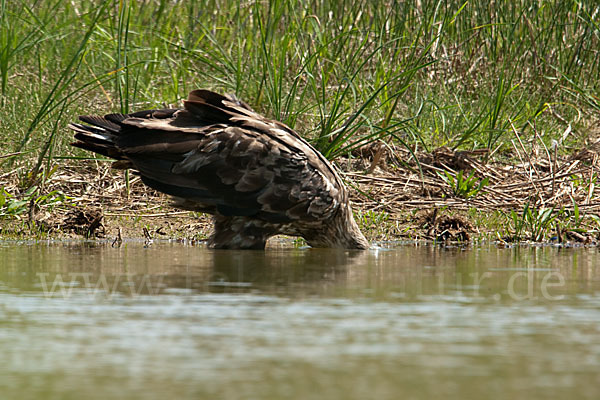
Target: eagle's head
point(342, 231)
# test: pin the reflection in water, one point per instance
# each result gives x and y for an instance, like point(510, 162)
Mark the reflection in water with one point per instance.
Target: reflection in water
point(174, 321)
point(409, 273)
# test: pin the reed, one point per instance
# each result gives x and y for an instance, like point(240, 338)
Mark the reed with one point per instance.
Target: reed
point(421, 74)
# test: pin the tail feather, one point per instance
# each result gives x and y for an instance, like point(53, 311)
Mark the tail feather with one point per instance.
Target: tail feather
point(96, 139)
point(96, 149)
point(91, 133)
point(104, 132)
point(109, 122)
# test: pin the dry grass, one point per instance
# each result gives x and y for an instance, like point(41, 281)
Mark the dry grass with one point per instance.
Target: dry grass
point(401, 182)
point(543, 182)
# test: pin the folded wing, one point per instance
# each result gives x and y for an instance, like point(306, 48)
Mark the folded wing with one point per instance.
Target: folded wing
point(218, 156)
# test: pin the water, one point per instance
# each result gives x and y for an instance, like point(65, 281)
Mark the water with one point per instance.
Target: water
point(85, 320)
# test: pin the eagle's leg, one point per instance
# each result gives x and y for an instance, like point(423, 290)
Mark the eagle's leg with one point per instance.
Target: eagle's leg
point(240, 233)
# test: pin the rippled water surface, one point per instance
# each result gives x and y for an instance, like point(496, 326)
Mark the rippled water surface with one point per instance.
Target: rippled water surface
point(86, 320)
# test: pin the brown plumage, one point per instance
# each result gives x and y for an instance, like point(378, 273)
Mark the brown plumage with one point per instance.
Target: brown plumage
point(256, 176)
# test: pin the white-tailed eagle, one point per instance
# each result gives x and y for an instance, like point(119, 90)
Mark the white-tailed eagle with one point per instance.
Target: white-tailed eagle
point(256, 176)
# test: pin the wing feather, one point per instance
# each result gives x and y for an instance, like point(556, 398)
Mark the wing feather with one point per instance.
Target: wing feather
point(219, 154)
